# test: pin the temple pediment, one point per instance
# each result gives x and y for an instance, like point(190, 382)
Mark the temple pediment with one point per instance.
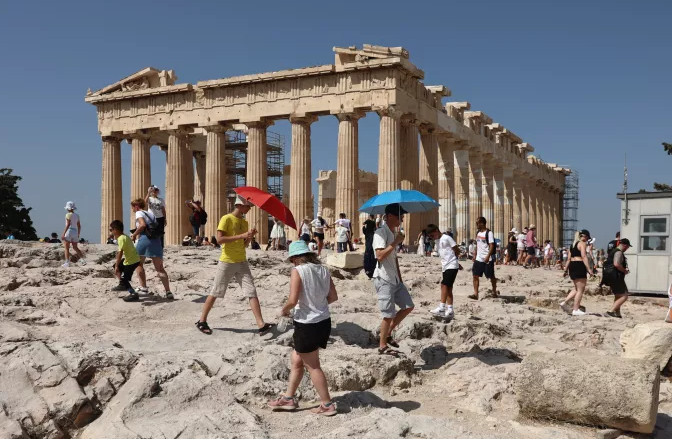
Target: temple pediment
point(147, 78)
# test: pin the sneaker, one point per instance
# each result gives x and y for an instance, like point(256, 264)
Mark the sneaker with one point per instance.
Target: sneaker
point(83, 262)
point(67, 264)
point(325, 410)
point(612, 314)
point(578, 313)
point(283, 404)
point(449, 314)
point(438, 312)
point(169, 296)
point(119, 288)
point(131, 297)
point(142, 290)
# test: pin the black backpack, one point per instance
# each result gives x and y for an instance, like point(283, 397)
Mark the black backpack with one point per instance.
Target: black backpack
point(203, 217)
point(152, 230)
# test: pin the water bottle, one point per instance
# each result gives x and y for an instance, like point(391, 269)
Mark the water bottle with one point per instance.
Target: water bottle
point(283, 323)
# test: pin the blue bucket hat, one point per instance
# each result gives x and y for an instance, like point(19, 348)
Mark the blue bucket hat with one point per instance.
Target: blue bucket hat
point(298, 247)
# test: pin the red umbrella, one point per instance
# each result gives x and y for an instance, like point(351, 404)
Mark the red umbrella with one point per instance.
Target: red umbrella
point(268, 203)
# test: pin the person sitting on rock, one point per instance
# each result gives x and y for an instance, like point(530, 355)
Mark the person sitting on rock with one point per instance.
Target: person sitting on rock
point(311, 290)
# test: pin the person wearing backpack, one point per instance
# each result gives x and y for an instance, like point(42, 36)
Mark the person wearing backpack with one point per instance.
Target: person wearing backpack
point(484, 257)
point(197, 219)
point(148, 245)
point(615, 269)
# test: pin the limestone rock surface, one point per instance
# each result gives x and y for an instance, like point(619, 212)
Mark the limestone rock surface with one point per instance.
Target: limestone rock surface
point(650, 341)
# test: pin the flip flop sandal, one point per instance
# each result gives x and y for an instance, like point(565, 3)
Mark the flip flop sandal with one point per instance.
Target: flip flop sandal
point(263, 330)
point(390, 341)
point(204, 328)
point(388, 351)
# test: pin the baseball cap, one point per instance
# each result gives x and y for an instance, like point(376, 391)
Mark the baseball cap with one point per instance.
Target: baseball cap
point(514, 231)
point(625, 241)
point(155, 188)
point(394, 209)
point(238, 200)
point(586, 233)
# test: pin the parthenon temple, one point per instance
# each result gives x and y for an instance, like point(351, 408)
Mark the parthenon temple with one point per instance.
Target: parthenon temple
point(470, 164)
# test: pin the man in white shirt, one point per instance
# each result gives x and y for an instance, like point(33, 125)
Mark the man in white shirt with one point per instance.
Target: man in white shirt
point(483, 261)
point(319, 225)
point(449, 253)
point(387, 279)
point(157, 206)
point(521, 245)
point(343, 221)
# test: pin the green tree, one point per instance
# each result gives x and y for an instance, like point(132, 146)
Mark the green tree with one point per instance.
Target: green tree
point(14, 217)
point(668, 148)
point(662, 187)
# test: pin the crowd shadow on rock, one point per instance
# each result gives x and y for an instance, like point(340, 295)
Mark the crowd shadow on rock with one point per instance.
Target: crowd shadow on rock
point(201, 298)
point(513, 299)
point(352, 334)
point(364, 399)
point(405, 405)
point(236, 330)
point(436, 357)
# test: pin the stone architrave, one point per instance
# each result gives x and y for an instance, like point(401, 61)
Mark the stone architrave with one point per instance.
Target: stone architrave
point(300, 177)
point(461, 179)
point(389, 150)
point(508, 198)
point(409, 176)
point(215, 196)
point(499, 215)
point(475, 191)
point(177, 214)
point(428, 171)
point(112, 206)
point(140, 170)
point(446, 185)
point(488, 194)
point(347, 170)
point(257, 176)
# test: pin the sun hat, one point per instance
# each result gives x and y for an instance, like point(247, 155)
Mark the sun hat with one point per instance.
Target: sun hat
point(240, 201)
point(299, 247)
point(532, 226)
point(70, 206)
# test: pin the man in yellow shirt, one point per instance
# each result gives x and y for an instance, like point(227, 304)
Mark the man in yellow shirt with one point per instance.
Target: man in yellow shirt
point(234, 235)
point(127, 259)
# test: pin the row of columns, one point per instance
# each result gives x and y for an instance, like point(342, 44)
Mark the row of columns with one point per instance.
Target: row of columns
point(467, 183)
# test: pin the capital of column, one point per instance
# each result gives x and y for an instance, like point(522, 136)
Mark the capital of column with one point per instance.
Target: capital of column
point(136, 134)
point(303, 120)
point(426, 128)
point(111, 138)
point(258, 124)
point(388, 111)
point(461, 145)
point(215, 128)
point(349, 116)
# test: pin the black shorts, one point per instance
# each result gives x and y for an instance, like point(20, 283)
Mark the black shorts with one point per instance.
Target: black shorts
point(310, 337)
point(577, 270)
point(319, 235)
point(615, 279)
point(449, 277)
point(305, 237)
point(480, 268)
point(531, 251)
point(126, 272)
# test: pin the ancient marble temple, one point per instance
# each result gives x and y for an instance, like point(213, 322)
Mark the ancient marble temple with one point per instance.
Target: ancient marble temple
point(472, 165)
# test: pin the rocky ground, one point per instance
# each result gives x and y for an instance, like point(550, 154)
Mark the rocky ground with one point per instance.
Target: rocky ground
point(77, 361)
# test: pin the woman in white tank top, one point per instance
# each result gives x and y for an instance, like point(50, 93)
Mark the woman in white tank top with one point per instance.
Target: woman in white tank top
point(72, 231)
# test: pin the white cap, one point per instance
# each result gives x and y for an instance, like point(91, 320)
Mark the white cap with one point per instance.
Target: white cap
point(514, 231)
point(70, 206)
point(238, 200)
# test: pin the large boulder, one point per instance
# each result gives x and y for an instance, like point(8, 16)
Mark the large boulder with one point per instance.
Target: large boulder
point(345, 260)
point(592, 390)
point(651, 341)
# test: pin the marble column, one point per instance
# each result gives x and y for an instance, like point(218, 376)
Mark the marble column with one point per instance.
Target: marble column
point(112, 206)
point(475, 191)
point(538, 212)
point(446, 186)
point(140, 171)
point(300, 176)
point(508, 199)
point(559, 225)
point(176, 181)
point(215, 196)
point(525, 202)
point(409, 176)
point(428, 171)
point(499, 215)
point(546, 222)
point(200, 177)
point(487, 185)
point(389, 150)
point(461, 179)
point(257, 175)
point(532, 203)
point(518, 202)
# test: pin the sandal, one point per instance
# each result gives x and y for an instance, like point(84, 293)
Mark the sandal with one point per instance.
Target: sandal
point(263, 330)
point(473, 297)
point(204, 328)
point(390, 341)
point(389, 351)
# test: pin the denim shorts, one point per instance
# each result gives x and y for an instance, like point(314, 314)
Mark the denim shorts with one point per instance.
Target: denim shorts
point(150, 248)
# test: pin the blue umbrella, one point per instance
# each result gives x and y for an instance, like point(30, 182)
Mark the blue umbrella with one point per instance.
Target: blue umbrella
point(409, 199)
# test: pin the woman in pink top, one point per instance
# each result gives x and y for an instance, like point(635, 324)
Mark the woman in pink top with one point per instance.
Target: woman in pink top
point(531, 248)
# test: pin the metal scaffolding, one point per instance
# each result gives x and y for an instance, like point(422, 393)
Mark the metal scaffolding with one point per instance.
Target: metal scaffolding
point(236, 143)
point(571, 201)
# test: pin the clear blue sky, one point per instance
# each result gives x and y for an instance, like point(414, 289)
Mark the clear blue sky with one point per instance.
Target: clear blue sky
point(583, 81)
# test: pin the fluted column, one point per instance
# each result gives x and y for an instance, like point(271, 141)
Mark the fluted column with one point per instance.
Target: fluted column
point(257, 175)
point(525, 202)
point(518, 202)
point(428, 171)
point(539, 220)
point(200, 177)
point(475, 191)
point(461, 179)
point(215, 196)
point(499, 205)
point(546, 219)
point(300, 176)
point(559, 217)
point(112, 206)
point(446, 185)
point(409, 176)
point(140, 170)
point(487, 185)
point(389, 150)
point(508, 199)
point(176, 181)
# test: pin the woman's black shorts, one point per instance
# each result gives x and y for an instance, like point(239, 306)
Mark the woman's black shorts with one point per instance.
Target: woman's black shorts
point(310, 337)
point(530, 250)
point(319, 235)
point(449, 277)
point(305, 237)
point(577, 270)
